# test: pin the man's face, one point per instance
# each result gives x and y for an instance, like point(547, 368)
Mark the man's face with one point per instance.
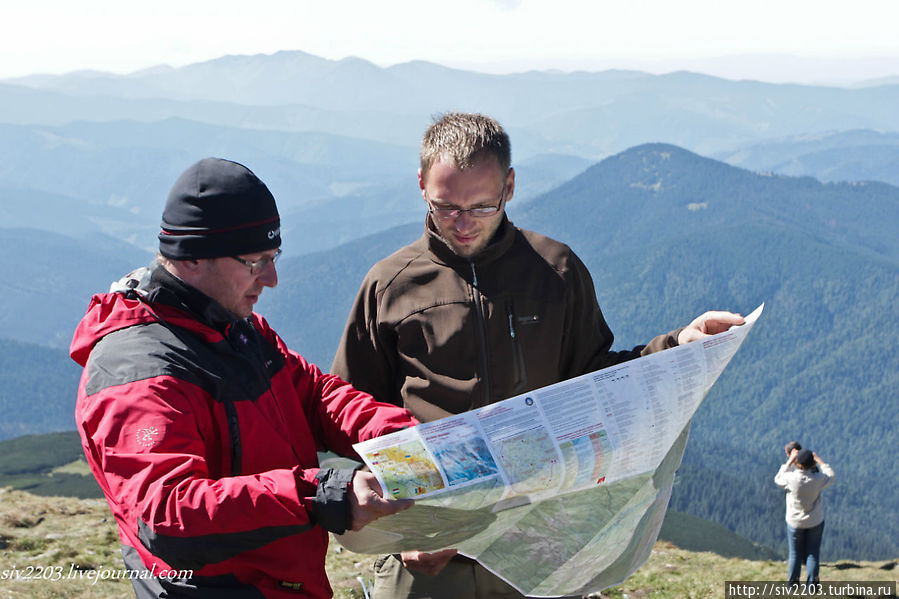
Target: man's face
point(479, 185)
point(231, 283)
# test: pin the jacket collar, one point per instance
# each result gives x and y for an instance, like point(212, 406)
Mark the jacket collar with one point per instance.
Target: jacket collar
point(441, 253)
point(168, 289)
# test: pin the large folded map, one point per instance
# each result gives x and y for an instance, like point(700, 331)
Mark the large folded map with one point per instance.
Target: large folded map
point(559, 491)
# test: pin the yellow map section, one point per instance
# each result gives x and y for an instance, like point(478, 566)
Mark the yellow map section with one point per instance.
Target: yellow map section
point(407, 470)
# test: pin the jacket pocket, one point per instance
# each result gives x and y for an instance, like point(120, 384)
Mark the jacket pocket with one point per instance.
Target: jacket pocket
point(519, 370)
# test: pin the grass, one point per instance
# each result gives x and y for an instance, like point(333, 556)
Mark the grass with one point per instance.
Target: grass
point(51, 537)
point(78, 467)
point(71, 539)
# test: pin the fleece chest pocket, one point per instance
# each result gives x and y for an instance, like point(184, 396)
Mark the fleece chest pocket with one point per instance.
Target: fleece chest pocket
point(526, 343)
point(521, 318)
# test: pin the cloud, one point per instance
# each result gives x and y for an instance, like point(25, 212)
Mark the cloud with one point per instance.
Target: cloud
point(507, 4)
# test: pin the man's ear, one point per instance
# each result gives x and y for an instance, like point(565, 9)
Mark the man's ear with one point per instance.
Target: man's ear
point(421, 186)
point(510, 185)
point(191, 265)
point(186, 270)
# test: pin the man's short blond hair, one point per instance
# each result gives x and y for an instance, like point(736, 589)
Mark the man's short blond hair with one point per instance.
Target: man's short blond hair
point(462, 139)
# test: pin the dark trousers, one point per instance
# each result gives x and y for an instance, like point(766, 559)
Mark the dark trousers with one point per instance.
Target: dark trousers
point(805, 545)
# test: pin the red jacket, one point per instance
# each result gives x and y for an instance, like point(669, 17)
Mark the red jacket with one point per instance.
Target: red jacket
point(203, 435)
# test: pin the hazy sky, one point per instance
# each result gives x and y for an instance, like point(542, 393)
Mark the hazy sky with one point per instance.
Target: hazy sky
point(815, 40)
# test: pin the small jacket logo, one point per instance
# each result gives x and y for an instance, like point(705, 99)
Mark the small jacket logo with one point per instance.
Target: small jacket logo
point(147, 436)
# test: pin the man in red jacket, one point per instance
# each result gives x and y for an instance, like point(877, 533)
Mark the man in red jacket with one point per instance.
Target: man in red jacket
point(202, 427)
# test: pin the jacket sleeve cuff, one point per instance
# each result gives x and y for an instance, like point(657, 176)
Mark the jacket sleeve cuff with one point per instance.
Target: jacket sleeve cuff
point(662, 342)
point(331, 505)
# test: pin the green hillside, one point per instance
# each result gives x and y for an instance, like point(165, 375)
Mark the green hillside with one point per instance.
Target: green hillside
point(820, 367)
point(695, 534)
point(48, 465)
point(37, 389)
point(47, 288)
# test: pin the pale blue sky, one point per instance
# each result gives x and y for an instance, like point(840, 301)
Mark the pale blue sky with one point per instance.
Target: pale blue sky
point(826, 40)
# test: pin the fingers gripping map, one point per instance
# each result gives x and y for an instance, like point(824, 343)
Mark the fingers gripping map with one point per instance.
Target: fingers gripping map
point(559, 491)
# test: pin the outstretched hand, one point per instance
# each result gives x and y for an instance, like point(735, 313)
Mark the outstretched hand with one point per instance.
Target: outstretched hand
point(366, 502)
point(708, 324)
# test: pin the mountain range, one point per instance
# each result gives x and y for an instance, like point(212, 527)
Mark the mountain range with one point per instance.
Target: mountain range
point(337, 140)
point(803, 219)
point(582, 113)
point(835, 156)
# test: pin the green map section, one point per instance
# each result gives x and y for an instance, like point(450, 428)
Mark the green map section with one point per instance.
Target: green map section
point(570, 544)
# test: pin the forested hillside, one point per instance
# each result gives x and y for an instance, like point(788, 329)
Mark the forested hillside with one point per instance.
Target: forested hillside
point(667, 235)
point(47, 288)
point(48, 465)
point(37, 389)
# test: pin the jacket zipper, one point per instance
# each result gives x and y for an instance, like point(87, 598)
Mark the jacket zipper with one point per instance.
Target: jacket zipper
point(236, 449)
point(257, 362)
point(482, 337)
point(520, 379)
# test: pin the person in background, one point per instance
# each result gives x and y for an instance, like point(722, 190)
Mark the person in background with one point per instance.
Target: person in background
point(474, 312)
point(789, 447)
point(201, 426)
point(803, 477)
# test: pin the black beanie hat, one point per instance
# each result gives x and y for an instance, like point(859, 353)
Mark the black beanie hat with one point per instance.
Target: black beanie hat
point(805, 458)
point(218, 208)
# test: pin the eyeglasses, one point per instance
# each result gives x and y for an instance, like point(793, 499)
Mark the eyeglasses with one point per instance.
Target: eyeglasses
point(257, 266)
point(452, 212)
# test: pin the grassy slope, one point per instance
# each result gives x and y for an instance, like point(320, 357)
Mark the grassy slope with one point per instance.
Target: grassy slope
point(52, 465)
point(79, 534)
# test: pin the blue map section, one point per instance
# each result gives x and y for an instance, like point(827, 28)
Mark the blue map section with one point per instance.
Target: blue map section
point(466, 461)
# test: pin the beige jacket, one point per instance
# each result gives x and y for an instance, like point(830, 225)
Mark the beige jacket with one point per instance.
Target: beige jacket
point(803, 487)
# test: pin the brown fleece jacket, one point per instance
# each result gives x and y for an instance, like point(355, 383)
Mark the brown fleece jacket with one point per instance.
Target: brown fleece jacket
point(441, 334)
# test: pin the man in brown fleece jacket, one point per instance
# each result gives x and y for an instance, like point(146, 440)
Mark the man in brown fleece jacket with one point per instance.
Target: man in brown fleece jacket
point(474, 312)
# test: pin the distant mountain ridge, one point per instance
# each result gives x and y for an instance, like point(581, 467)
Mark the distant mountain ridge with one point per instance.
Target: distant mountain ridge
point(113, 177)
point(855, 155)
point(589, 114)
point(667, 185)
